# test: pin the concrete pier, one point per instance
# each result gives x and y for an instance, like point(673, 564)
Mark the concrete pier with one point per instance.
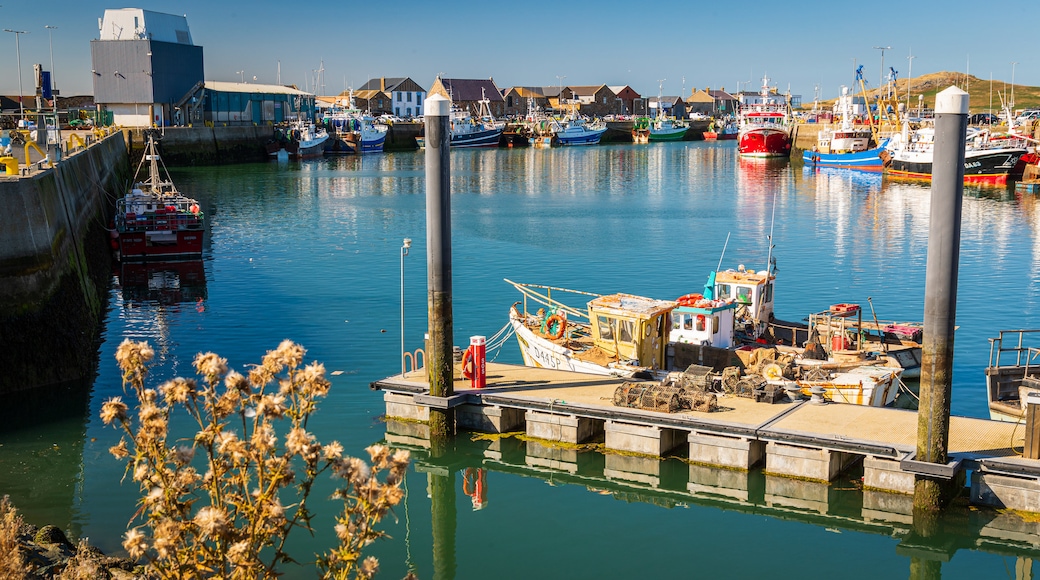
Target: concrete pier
point(55, 263)
point(801, 442)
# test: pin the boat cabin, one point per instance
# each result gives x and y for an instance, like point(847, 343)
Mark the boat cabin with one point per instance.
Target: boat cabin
point(632, 328)
point(706, 322)
point(750, 289)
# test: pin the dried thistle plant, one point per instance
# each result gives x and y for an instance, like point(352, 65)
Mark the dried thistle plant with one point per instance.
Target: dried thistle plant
point(214, 507)
point(12, 561)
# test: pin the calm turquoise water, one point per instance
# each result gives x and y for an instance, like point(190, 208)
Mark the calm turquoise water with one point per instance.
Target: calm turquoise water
point(311, 251)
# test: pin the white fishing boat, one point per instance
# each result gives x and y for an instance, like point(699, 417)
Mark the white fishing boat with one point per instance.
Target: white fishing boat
point(643, 338)
point(1013, 373)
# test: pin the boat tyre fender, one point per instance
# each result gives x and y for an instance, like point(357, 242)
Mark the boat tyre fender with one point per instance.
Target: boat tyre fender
point(561, 326)
point(467, 364)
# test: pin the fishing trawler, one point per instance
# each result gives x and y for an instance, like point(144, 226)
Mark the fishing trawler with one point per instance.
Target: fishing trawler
point(154, 220)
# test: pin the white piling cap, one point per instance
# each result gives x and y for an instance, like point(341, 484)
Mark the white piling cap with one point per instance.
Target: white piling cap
point(951, 100)
point(436, 105)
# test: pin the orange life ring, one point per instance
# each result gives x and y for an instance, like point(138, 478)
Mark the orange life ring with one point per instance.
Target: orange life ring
point(689, 299)
point(467, 364)
point(560, 328)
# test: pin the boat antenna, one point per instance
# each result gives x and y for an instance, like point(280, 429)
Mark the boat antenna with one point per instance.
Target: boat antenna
point(772, 220)
point(719, 267)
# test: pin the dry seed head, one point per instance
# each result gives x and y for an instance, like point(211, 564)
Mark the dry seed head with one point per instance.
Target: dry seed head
point(332, 451)
point(130, 354)
point(212, 522)
point(236, 382)
point(210, 365)
point(178, 390)
point(135, 543)
point(113, 409)
point(119, 451)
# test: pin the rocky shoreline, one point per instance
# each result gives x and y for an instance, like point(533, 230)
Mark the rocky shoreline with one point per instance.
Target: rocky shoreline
point(47, 553)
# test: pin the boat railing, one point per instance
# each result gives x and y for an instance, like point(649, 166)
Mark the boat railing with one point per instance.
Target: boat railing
point(543, 295)
point(1021, 345)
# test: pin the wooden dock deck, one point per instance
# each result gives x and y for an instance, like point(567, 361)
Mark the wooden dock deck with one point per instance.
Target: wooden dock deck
point(801, 440)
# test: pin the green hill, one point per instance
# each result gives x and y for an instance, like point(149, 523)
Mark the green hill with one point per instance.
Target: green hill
point(978, 89)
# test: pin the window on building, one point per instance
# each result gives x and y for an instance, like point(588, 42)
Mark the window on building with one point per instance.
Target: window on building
point(398, 97)
point(604, 100)
point(409, 111)
point(409, 97)
point(418, 99)
point(509, 101)
point(397, 111)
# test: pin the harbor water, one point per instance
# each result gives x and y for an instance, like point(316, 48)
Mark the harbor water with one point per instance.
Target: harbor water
point(312, 251)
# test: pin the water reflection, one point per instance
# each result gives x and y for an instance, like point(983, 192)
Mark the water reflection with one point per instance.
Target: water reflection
point(922, 545)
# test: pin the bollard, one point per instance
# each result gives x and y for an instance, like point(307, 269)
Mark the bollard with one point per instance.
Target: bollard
point(437, 110)
point(940, 296)
point(478, 356)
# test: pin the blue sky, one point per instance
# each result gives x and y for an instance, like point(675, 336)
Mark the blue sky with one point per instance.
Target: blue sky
point(800, 45)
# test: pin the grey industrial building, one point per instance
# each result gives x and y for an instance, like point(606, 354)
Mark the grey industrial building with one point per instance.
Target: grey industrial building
point(143, 63)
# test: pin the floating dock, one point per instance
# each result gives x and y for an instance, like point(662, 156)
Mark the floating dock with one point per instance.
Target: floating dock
point(800, 440)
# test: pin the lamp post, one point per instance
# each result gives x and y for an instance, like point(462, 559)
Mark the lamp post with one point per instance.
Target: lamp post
point(1011, 106)
point(50, 44)
point(881, 77)
point(18, 55)
point(404, 252)
point(54, 91)
point(241, 75)
point(909, 79)
point(560, 96)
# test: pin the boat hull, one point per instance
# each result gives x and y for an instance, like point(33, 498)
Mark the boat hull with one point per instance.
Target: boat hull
point(873, 386)
point(487, 138)
point(761, 142)
point(161, 244)
point(540, 352)
point(980, 167)
point(586, 138)
point(668, 134)
point(869, 159)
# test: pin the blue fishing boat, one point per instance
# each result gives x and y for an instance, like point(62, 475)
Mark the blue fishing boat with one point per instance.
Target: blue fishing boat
point(848, 146)
point(576, 132)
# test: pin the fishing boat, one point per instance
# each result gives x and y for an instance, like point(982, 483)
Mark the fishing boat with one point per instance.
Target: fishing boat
point(154, 220)
point(575, 131)
point(641, 130)
point(300, 140)
point(848, 146)
point(481, 130)
point(764, 124)
point(987, 159)
point(644, 338)
point(357, 128)
point(667, 129)
point(1013, 373)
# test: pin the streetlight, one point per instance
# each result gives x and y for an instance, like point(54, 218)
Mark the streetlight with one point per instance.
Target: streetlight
point(50, 43)
point(560, 96)
point(241, 75)
point(18, 52)
point(881, 77)
point(1011, 106)
point(404, 252)
point(909, 79)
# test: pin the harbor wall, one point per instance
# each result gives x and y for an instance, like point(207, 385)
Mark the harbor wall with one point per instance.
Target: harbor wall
point(55, 265)
point(186, 146)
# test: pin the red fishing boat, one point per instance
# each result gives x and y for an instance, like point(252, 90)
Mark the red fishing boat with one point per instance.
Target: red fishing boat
point(765, 124)
point(154, 220)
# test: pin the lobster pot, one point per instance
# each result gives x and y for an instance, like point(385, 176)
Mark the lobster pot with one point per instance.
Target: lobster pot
point(698, 401)
point(648, 397)
point(747, 386)
point(696, 377)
